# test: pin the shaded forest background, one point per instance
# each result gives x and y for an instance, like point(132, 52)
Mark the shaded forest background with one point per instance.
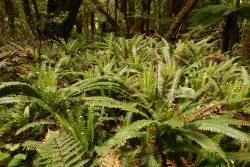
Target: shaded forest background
point(171, 19)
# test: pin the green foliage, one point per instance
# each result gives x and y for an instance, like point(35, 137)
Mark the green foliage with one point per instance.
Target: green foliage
point(180, 106)
point(60, 149)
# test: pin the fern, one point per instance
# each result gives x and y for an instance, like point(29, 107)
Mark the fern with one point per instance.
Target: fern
point(32, 144)
point(174, 85)
point(123, 135)
point(13, 99)
point(60, 149)
point(241, 156)
point(111, 103)
point(99, 83)
point(32, 125)
point(203, 141)
point(81, 129)
point(231, 132)
point(8, 88)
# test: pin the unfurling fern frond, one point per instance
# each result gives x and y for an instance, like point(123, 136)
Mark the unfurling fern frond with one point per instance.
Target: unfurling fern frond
point(122, 136)
point(61, 150)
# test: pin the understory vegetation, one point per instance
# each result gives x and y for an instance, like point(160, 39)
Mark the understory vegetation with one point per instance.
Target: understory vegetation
point(126, 102)
point(124, 83)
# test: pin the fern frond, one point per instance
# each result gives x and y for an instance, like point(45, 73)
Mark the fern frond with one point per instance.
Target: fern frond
point(204, 141)
point(211, 14)
point(221, 121)
point(99, 83)
point(31, 144)
point(174, 85)
point(90, 124)
point(241, 156)
point(8, 88)
point(14, 99)
point(6, 127)
point(231, 132)
point(124, 134)
point(111, 103)
point(183, 147)
point(32, 125)
point(60, 149)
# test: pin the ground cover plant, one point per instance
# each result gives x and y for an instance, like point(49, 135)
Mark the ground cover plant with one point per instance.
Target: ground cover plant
point(131, 105)
point(124, 83)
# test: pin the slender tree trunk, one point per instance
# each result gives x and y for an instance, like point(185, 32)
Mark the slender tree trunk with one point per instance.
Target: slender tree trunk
point(176, 25)
point(148, 15)
point(246, 50)
point(230, 34)
point(79, 23)
point(10, 11)
point(116, 10)
point(92, 20)
point(231, 31)
point(32, 22)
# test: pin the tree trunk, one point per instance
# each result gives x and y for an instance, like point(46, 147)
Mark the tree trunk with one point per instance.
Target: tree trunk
point(92, 23)
point(148, 15)
point(246, 49)
point(10, 11)
point(230, 34)
point(57, 8)
point(174, 7)
point(32, 22)
point(176, 25)
point(116, 10)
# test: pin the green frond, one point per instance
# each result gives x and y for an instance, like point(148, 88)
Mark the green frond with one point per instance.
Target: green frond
point(240, 156)
point(32, 125)
point(91, 124)
point(198, 94)
point(122, 136)
point(99, 83)
point(147, 82)
point(204, 141)
point(228, 131)
point(6, 127)
point(108, 102)
point(221, 121)
point(13, 99)
point(211, 14)
point(174, 85)
point(60, 149)
point(182, 147)
point(83, 130)
point(31, 144)
point(9, 88)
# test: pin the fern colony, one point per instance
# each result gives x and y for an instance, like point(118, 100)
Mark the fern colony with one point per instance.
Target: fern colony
point(131, 102)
